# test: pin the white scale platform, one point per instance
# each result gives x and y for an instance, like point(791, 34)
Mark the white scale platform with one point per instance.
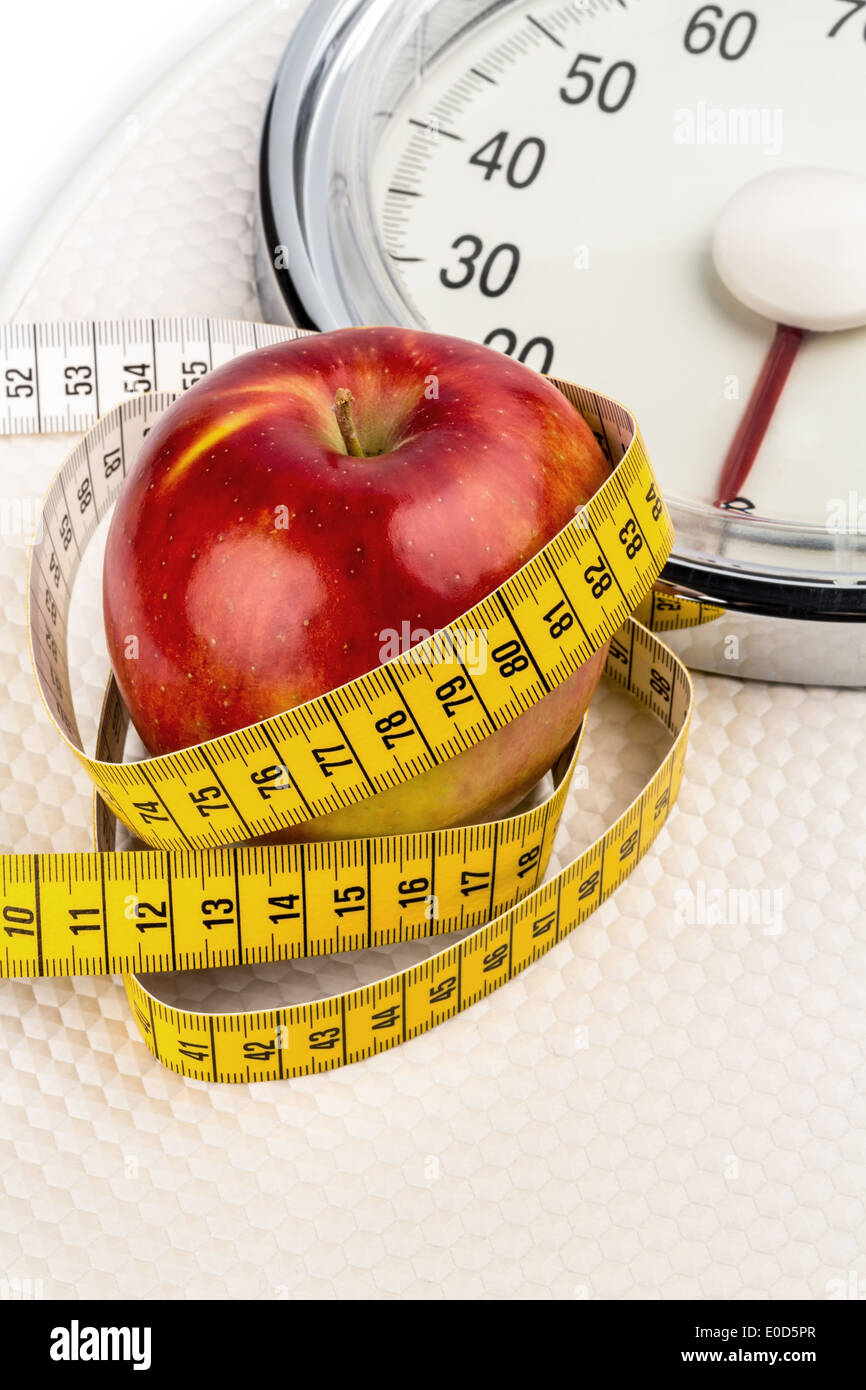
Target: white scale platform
point(668, 1105)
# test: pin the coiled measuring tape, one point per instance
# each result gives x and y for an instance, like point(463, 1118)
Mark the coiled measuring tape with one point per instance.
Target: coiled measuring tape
point(195, 896)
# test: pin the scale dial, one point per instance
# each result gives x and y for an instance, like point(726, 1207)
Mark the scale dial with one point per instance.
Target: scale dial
point(548, 179)
point(570, 218)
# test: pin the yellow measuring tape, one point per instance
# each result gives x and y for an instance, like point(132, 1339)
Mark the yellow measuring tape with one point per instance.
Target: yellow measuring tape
point(196, 897)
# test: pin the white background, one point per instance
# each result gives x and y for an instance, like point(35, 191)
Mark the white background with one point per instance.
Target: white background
point(69, 72)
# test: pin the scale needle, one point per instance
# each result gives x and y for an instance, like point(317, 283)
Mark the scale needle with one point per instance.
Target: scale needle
point(789, 245)
point(759, 412)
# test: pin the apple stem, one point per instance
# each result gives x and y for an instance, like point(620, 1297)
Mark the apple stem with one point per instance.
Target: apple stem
point(343, 411)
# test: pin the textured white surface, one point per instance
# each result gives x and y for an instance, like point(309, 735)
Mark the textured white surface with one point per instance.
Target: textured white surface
point(670, 1104)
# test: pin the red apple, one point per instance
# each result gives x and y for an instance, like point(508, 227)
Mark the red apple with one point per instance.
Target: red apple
point(260, 561)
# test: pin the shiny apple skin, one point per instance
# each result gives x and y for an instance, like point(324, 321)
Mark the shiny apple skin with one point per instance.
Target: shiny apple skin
point(259, 564)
